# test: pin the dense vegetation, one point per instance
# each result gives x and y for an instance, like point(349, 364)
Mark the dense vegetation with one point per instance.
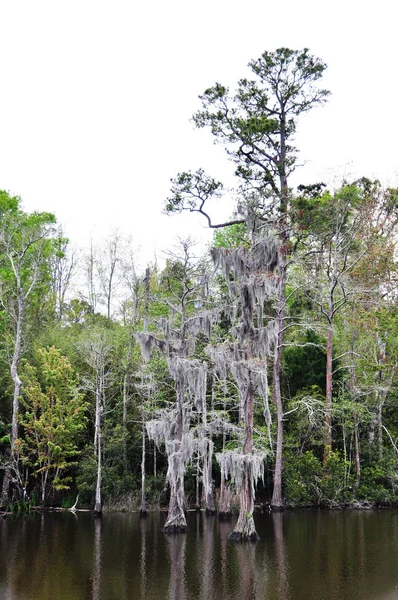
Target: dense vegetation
point(270, 362)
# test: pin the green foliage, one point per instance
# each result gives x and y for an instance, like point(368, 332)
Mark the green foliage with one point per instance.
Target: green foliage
point(304, 364)
point(53, 419)
point(231, 236)
point(379, 482)
point(309, 481)
point(356, 224)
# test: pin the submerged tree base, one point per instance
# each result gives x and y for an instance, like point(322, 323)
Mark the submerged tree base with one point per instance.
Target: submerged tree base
point(239, 537)
point(143, 513)
point(174, 529)
point(210, 512)
point(277, 508)
point(224, 516)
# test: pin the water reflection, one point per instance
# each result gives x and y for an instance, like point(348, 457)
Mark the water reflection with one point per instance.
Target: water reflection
point(281, 557)
point(302, 555)
point(143, 559)
point(96, 577)
point(176, 553)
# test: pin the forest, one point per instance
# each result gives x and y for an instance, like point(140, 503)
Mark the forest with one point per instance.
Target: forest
point(261, 374)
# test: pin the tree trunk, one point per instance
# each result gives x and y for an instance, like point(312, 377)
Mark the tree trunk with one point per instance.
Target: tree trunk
point(197, 481)
point(98, 503)
point(277, 498)
point(97, 445)
point(143, 507)
point(380, 430)
point(357, 452)
point(5, 487)
point(176, 521)
point(245, 529)
point(329, 391)
point(15, 403)
point(224, 508)
point(44, 486)
point(14, 373)
point(125, 421)
point(208, 479)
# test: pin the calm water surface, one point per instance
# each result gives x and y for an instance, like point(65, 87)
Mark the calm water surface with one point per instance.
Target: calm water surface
point(301, 556)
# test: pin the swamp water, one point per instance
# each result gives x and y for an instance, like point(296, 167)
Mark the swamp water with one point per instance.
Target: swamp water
point(302, 555)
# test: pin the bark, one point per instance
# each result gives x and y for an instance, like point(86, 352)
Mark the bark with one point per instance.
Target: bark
point(197, 481)
point(98, 503)
point(125, 420)
point(97, 444)
point(15, 403)
point(143, 507)
point(357, 452)
point(14, 373)
point(44, 486)
point(329, 389)
point(5, 487)
point(224, 508)
point(176, 521)
point(380, 429)
point(277, 498)
point(208, 483)
point(245, 529)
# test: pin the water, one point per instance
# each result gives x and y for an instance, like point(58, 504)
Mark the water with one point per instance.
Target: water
point(305, 555)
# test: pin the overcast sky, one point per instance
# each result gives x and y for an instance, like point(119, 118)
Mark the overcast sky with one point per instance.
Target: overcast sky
point(96, 97)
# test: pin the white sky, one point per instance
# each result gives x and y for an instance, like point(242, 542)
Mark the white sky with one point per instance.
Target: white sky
point(95, 100)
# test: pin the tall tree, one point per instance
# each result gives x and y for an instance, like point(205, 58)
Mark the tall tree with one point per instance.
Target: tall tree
point(342, 231)
point(257, 125)
point(250, 276)
point(26, 246)
point(180, 330)
point(96, 347)
point(53, 419)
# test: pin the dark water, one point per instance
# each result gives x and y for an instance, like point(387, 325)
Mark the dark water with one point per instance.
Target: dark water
point(301, 556)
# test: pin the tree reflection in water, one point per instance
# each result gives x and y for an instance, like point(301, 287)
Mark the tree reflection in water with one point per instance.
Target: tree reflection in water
point(143, 558)
point(280, 555)
point(176, 544)
point(96, 574)
point(302, 555)
point(246, 558)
